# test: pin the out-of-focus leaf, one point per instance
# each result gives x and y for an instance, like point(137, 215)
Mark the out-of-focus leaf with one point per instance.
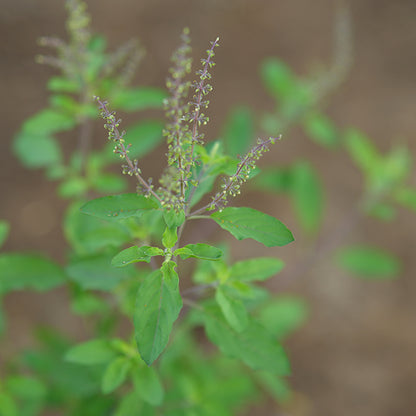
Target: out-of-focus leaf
point(276, 386)
point(148, 385)
point(144, 136)
point(278, 78)
point(307, 194)
point(254, 346)
point(397, 165)
point(369, 262)
point(293, 95)
point(260, 268)
point(95, 272)
point(97, 43)
point(4, 231)
point(275, 180)
point(48, 122)
point(29, 271)
point(64, 103)
point(96, 351)
point(283, 315)
point(109, 183)
point(88, 234)
point(26, 388)
point(238, 131)
point(362, 151)
point(73, 187)
point(61, 84)
point(382, 211)
point(37, 150)
point(115, 374)
point(8, 407)
point(232, 308)
point(116, 207)
point(406, 196)
point(141, 98)
point(321, 129)
point(85, 303)
point(132, 400)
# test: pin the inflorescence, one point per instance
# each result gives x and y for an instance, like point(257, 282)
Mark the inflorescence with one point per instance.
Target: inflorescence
point(131, 167)
point(75, 56)
point(182, 133)
point(231, 185)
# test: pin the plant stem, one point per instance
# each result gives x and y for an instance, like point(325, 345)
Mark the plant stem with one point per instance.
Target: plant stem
point(84, 142)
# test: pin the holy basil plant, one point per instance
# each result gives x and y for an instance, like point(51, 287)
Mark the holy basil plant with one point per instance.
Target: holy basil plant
point(134, 275)
point(159, 300)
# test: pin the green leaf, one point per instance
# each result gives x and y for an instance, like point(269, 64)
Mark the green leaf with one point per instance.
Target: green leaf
point(307, 194)
point(362, 151)
point(131, 401)
point(321, 129)
point(89, 234)
point(4, 231)
point(97, 43)
point(61, 84)
point(173, 218)
point(275, 180)
point(115, 374)
point(64, 103)
point(170, 237)
point(260, 268)
point(148, 385)
point(108, 183)
point(85, 303)
point(7, 405)
point(369, 262)
point(73, 187)
point(211, 170)
point(199, 251)
point(232, 308)
point(238, 131)
point(157, 307)
point(3, 323)
point(136, 254)
point(283, 315)
point(95, 272)
point(254, 346)
point(278, 78)
point(96, 351)
point(29, 271)
point(36, 150)
point(397, 165)
point(143, 136)
point(118, 206)
point(383, 212)
point(302, 183)
point(277, 387)
point(48, 122)
point(406, 197)
point(249, 223)
point(26, 388)
point(142, 98)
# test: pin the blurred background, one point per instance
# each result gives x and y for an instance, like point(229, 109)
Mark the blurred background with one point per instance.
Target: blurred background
point(356, 354)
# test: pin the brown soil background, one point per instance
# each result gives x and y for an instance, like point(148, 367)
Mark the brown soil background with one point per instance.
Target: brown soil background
point(356, 355)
